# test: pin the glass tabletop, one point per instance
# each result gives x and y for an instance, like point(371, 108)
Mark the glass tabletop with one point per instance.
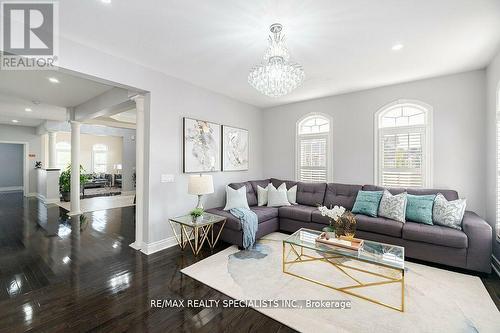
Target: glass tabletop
point(207, 219)
point(372, 252)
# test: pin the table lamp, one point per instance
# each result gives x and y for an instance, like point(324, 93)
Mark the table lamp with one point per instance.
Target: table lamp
point(200, 185)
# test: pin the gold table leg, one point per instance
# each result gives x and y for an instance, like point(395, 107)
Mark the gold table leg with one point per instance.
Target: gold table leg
point(196, 236)
point(340, 266)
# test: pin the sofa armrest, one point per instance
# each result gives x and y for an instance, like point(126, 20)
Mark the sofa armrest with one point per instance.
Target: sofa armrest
point(479, 234)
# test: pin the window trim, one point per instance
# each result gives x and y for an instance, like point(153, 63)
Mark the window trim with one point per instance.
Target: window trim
point(429, 144)
point(329, 147)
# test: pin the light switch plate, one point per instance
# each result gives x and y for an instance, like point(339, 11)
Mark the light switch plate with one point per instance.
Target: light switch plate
point(167, 178)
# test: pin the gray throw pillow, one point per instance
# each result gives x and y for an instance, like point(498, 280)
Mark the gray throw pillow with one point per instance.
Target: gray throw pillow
point(393, 206)
point(448, 213)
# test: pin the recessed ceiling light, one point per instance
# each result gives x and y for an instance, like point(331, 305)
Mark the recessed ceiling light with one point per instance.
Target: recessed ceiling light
point(28, 109)
point(53, 80)
point(106, 1)
point(397, 47)
point(15, 120)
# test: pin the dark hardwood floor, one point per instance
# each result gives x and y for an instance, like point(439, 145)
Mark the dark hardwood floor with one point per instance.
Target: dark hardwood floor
point(77, 275)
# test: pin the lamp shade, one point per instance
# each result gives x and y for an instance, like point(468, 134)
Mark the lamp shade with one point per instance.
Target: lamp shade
point(200, 184)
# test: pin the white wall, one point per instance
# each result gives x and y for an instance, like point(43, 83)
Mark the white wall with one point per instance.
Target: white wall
point(87, 141)
point(28, 135)
point(493, 86)
point(459, 124)
point(170, 100)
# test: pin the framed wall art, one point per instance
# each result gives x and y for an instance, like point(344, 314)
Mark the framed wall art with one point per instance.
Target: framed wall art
point(201, 148)
point(234, 149)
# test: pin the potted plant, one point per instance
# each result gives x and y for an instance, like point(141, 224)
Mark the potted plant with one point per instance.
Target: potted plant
point(333, 215)
point(65, 182)
point(197, 214)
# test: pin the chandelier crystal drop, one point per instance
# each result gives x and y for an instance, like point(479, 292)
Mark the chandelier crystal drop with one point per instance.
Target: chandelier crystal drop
point(276, 76)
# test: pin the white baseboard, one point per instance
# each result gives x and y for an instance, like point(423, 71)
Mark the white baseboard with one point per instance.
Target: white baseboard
point(11, 188)
point(150, 248)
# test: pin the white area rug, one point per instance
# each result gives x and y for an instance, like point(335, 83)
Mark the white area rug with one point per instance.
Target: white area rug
point(101, 203)
point(436, 300)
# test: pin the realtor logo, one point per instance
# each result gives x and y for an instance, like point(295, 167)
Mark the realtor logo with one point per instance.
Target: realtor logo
point(29, 31)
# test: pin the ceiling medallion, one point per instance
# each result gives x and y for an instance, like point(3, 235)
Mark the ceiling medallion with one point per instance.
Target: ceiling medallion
point(276, 76)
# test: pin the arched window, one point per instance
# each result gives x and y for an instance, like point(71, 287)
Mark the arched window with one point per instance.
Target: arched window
point(63, 155)
point(403, 145)
point(313, 151)
point(99, 158)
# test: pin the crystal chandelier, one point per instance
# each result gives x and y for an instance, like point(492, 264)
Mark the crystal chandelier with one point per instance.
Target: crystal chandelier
point(276, 75)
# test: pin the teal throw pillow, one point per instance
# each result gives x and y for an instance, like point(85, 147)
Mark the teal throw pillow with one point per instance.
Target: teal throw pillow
point(367, 203)
point(419, 208)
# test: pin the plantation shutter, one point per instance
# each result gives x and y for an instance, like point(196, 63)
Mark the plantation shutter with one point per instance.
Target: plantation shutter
point(313, 158)
point(402, 157)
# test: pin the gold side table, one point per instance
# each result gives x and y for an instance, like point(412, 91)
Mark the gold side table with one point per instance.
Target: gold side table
point(197, 233)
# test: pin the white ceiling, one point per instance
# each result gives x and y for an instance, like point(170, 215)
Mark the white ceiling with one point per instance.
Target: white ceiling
point(343, 45)
point(48, 101)
point(35, 86)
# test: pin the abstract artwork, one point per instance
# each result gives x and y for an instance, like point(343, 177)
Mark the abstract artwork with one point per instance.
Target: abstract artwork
point(234, 149)
point(201, 146)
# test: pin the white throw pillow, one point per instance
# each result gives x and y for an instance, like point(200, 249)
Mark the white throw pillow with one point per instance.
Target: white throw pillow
point(292, 195)
point(277, 197)
point(262, 195)
point(236, 198)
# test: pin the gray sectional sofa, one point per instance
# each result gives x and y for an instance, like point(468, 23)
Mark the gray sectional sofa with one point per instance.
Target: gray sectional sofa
point(469, 249)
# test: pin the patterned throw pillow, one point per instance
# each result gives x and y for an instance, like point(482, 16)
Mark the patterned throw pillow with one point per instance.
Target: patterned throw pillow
point(449, 213)
point(419, 208)
point(367, 203)
point(393, 206)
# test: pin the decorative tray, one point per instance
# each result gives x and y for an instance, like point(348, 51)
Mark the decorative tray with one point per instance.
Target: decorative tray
point(348, 243)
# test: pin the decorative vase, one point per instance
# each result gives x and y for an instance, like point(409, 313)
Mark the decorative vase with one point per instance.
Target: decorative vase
point(345, 225)
point(198, 219)
point(330, 231)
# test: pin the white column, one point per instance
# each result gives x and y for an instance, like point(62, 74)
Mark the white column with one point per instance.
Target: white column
point(52, 150)
point(139, 172)
point(75, 168)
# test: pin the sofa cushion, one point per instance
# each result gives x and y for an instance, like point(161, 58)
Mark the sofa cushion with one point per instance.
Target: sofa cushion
point(448, 194)
point(311, 194)
point(341, 195)
point(392, 190)
point(297, 212)
point(278, 182)
point(318, 218)
point(251, 196)
point(435, 234)
point(232, 222)
point(379, 225)
point(262, 183)
point(264, 214)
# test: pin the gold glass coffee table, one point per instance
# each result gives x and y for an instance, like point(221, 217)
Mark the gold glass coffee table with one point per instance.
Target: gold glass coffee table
point(383, 261)
point(197, 233)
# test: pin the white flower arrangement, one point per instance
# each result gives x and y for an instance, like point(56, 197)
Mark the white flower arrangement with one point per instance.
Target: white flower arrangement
point(332, 213)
